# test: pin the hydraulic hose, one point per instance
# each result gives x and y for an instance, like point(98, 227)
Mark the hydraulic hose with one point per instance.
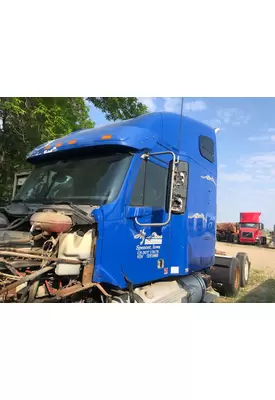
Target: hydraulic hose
point(16, 224)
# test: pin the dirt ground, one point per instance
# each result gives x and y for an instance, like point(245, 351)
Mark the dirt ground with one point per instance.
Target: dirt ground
point(261, 288)
point(260, 258)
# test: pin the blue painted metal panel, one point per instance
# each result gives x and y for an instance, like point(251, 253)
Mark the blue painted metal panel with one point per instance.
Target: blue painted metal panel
point(187, 244)
point(138, 133)
point(125, 250)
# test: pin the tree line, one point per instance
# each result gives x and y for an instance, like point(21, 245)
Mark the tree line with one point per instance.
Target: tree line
point(26, 122)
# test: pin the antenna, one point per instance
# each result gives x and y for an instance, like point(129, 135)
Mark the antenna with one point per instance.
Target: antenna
point(181, 115)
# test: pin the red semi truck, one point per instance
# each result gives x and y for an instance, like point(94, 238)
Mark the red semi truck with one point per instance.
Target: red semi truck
point(247, 231)
point(250, 228)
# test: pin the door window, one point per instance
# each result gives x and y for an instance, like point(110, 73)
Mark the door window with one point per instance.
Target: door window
point(150, 188)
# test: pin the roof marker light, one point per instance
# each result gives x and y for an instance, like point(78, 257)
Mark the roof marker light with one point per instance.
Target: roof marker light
point(72, 141)
point(106, 137)
point(59, 144)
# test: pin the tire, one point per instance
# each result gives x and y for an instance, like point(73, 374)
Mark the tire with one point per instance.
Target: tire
point(263, 241)
point(232, 288)
point(245, 268)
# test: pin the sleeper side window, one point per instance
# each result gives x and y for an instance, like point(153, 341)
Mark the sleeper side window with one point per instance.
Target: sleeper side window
point(206, 146)
point(150, 188)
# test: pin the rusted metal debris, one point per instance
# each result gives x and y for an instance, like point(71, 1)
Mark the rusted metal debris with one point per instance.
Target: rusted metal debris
point(88, 270)
point(13, 277)
point(26, 264)
point(38, 257)
point(26, 278)
point(79, 287)
point(10, 267)
point(37, 251)
point(87, 274)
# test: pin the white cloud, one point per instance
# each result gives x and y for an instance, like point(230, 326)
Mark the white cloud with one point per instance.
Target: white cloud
point(173, 104)
point(197, 105)
point(263, 160)
point(262, 138)
point(259, 138)
point(222, 166)
point(260, 166)
point(225, 114)
point(149, 102)
point(214, 123)
point(264, 178)
point(233, 116)
point(235, 177)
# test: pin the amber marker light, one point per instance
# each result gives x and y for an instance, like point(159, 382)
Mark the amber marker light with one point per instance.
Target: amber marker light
point(106, 137)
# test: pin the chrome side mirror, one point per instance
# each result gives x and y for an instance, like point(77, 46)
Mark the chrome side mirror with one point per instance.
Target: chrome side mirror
point(179, 191)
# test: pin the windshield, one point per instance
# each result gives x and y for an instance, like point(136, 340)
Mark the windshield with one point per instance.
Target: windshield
point(94, 180)
point(249, 225)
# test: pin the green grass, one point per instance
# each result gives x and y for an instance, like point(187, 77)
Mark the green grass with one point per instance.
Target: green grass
point(261, 289)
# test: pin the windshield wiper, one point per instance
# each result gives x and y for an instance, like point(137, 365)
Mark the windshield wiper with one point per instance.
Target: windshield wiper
point(78, 211)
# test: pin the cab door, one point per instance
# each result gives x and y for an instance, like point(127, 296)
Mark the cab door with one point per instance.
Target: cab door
point(147, 257)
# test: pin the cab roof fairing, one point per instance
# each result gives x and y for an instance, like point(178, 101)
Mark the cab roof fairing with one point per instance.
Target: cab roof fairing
point(139, 133)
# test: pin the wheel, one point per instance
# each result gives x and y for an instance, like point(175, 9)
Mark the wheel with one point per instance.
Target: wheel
point(263, 240)
point(245, 268)
point(232, 288)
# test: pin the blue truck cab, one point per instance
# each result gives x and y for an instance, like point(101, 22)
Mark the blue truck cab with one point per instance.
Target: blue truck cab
point(150, 185)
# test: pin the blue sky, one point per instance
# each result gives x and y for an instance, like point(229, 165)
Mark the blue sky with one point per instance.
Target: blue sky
point(246, 149)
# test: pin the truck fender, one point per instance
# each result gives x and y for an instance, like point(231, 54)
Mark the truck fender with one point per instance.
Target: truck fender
point(226, 275)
